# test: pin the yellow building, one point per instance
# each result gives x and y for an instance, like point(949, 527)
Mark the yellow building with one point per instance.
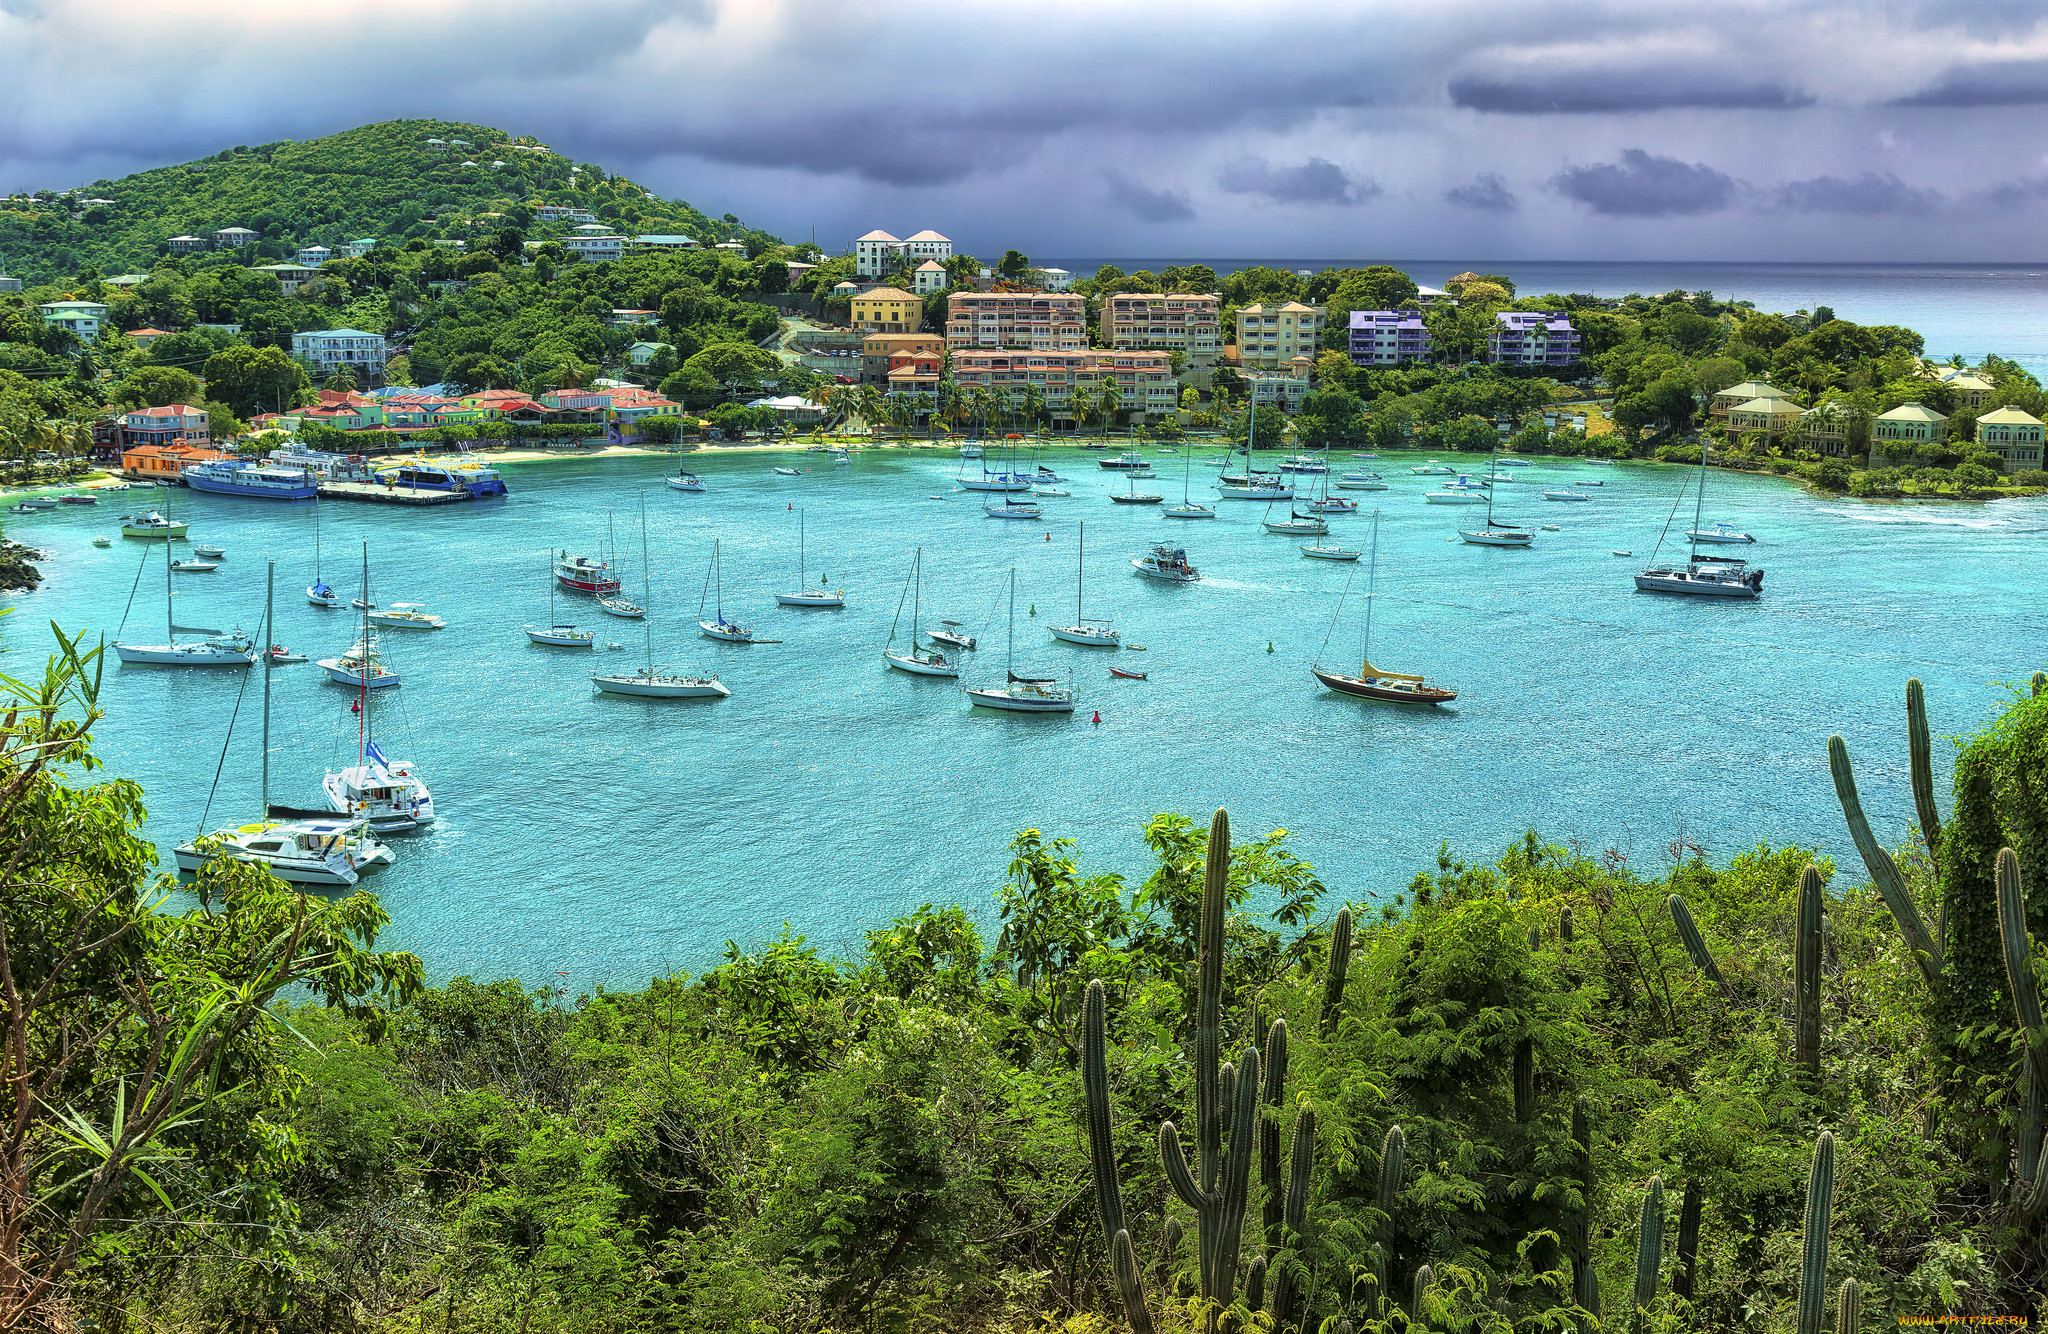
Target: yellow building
point(888, 310)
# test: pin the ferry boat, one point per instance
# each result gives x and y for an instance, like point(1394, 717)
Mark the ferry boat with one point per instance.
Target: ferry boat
point(1167, 563)
point(581, 574)
point(423, 475)
point(254, 481)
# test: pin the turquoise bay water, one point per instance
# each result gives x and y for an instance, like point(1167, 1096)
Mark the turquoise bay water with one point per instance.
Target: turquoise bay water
point(605, 840)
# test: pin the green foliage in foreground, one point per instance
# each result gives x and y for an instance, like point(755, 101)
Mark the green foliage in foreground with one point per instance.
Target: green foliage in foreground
point(1502, 1094)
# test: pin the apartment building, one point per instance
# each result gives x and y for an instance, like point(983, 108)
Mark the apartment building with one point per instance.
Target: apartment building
point(562, 213)
point(877, 253)
point(1771, 416)
point(1387, 337)
point(1041, 321)
point(1269, 337)
point(1188, 323)
point(1908, 423)
point(234, 238)
point(2013, 435)
point(1825, 429)
point(913, 371)
point(595, 249)
point(1277, 389)
point(929, 277)
point(289, 276)
point(1144, 380)
point(83, 318)
point(1532, 338)
point(326, 349)
point(313, 256)
point(171, 424)
point(879, 352)
point(888, 310)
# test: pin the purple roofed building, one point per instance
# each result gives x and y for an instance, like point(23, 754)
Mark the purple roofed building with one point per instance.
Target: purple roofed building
point(1532, 338)
point(1387, 337)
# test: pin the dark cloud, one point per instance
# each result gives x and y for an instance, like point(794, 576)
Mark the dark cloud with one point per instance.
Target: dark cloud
point(2008, 83)
point(2017, 194)
point(1488, 193)
point(915, 157)
point(1865, 195)
point(1643, 185)
point(1316, 181)
point(1594, 92)
point(1146, 204)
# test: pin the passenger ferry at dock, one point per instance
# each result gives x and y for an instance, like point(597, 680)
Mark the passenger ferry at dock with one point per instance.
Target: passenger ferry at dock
point(255, 481)
point(428, 476)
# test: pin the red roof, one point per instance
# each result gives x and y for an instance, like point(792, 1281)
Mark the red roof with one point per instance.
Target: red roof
point(147, 333)
point(171, 410)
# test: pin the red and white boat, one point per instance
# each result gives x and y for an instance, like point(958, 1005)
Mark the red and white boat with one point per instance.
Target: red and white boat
point(582, 574)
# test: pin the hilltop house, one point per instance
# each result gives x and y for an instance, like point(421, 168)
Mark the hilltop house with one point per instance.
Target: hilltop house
point(1735, 395)
point(234, 238)
point(290, 277)
point(188, 245)
point(600, 249)
point(876, 253)
point(83, 318)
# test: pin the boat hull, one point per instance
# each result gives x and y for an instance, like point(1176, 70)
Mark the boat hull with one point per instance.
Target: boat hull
point(625, 611)
point(725, 632)
point(1362, 486)
point(1256, 492)
point(1678, 581)
point(1165, 576)
point(291, 870)
point(1009, 703)
point(562, 638)
point(1188, 512)
point(355, 677)
point(1498, 538)
point(1358, 687)
point(300, 491)
point(660, 687)
point(811, 599)
point(1454, 498)
point(1077, 634)
point(1329, 553)
point(153, 530)
point(1137, 500)
point(676, 484)
point(1721, 539)
point(1004, 484)
point(184, 655)
point(905, 662)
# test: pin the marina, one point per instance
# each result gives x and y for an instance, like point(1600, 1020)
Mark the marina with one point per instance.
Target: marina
point(1790, 666)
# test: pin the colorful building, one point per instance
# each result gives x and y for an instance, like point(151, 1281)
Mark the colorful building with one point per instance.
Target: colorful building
point(1186, 323)
point(1144, 380)
point(2013, 435)
point(888, 310)
point(1387, 337)
point(1532, 338)
point(1040, 321)
point(1270, 336)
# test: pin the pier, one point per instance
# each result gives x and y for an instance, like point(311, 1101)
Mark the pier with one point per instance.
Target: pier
point(379, 494)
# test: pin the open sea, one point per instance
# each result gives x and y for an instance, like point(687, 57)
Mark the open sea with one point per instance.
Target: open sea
point(589, 839)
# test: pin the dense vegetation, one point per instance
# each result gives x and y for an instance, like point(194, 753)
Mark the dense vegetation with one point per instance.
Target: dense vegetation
point(1524, 1094)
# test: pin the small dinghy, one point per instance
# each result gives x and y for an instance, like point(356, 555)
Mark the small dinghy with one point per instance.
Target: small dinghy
point(789, 472)
point(215, 552)
point(279, 653)
point(194, 566)
point(1624, 553)
point(1128, 676)
point(103, 541)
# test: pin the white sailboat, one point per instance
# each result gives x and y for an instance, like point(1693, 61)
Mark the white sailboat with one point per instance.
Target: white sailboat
point(684, 481)
point(731, 632)
point(220, 648)
point(805, 595)
point(298, 847)
point(1187, 509)
point(1023, 694)
point(917, 661)
point(647, 683)
point(1697, 577)
point(559, 634)
point(612, 604)
point(1491, 534)
point(389, 795)
point(317, 592)
point(1091, 633)
point(361, 664)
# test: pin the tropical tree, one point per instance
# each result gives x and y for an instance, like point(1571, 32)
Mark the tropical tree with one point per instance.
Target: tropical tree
point(1109, 400)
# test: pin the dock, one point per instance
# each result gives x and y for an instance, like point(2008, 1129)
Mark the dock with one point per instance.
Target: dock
point(379, 494)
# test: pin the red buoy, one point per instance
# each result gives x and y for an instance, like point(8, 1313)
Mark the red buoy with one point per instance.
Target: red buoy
point(1098, 715)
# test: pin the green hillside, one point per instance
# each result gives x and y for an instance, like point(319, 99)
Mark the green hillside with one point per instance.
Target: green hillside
point(381, 180)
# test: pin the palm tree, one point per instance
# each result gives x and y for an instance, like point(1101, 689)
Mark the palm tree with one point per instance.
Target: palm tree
point(999, 404)
point(899, 411)
point(925, 404)
point(1108, 400)
point(868, 404)
point(979, 401)
point(1082, 404)
point(1033, 402)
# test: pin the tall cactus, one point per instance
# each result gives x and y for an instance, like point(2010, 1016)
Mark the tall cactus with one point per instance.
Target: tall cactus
point(1582, 1173)
point(1806, 974)
point(1586, 1287)
point(1109, 1203)
point(1335, 973)
point(1884, 873)
point(1269, 1133)
point(1921, 756)
point(1813, 1249)
point(2039, 685)
point(1525, 1080)
point(1393, 1159)
point(1696, 944)
point(2019, 973)
point(1687, 1271)
point(1849, 1307)
point(1566, 925)
point(1425, 1279)
point(1649, 1248)
point(1301, 1152)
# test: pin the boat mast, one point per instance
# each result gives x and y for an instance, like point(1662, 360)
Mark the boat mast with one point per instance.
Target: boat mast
point(1080, 559)
point(269, 600)
point(170, 612)
point(803, 574)
point(1013, 623)
point(1699, 505)
point(363, 668)
point(1372, 580)
point(646, 584)
point(916, 595)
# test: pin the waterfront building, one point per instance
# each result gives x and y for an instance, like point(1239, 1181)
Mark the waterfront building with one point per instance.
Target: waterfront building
point(1279, 389)
point(887, 310)
point(171, 424)
point(1144, 380)
point(1771, 416)
point(1825, 429)
point(1182, 322)
point(1042, 321)
point(2013, 435)
point(156, 462)
point(877, 253)
point(1908, 424)
point(1532, 338)
point(914, 371)
point(325, 349)
point(1736, 395)
point(1971, 391)
point(1387, 337)
point(878, 352)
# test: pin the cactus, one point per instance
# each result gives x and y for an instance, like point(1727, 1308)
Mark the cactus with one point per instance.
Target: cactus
point(1813, 1251)
point(1425, 1278)
point(1269, 1133)
point(1525, 1080)
point(1586, 1288)
point(1565, 926)
point(1688, 1241)
point(1169, 1240)
point(1649, 1247)
point(2039, 684)
point(1582, 1172)
point(1922, 764)
point(1806, 974)
point(1301, 1154)
point(1696, 944)
point(2019, 974)
point(1335, 972)
point(1891, 886)
point(1109, 1203)
point(1255, 1283)
point(1226, 1082)
point(1849, 1307)
point(1123, 1264)
point(1535, 940)
point(1393, 1155)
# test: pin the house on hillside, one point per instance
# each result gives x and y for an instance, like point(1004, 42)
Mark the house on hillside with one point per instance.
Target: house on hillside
point(2013, 435)
point(601, 249)
point(887, 310)
point(1774, 417)
point(1895, 433)
point(1738, 394)
point(234, 238)
point(290, 277)
point(188, 245)
point(83, 318)
point(326, 349)
point(1267, 335)
point(313, 256)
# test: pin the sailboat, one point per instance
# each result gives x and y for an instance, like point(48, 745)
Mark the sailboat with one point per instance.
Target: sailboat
point(1096, 633)
point(361, 664)
point(558, 633)
point(648, 683)
point(1023, 694)
point(1252, 486)
point(220, 648)
point(1133, 496)
point(1369, 682)
point(805, 595)
point(317, 592)
point(388, 794)
point(1491, 534)
point(1324, 502)
point(1314, 525)
point(299, 847)
point(613, 604)
point(732, 632)
point(1714, 577)
point(917, 661)
point(1187, 509)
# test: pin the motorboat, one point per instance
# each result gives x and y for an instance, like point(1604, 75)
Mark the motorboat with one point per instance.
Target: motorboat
point(970, 450)
point(1304, 463)
point(103, 541)
point(152, 524)
point(408, 616)
point(1707, 578)
point(253, 481)
point(39, 502)
point(79, 498)
point(214, 552)
point(1166, 563)
point(789, 472)
point(280, 654)
point(1566, 495)
point(1128, 676)
point(1468, 483)
point(1045, 474)
point(360, 666)
point(1357, 455)
point(1456, 496)
point(1128, 461)
point(1049, 491)
point(561, 636)
point(388, 795)
point(423, 474)
point(620, 607)
point(1368, 681)
point(330, 850)
point(1023, 694)
point(24, 509)
point(362, 604)
point(916, 660)
point(684, 481)
point(585, 574)
point(194, 566)
point(1513, 463)
point(805, 595)
point(1433, 469)
point(1721, 533)
point(1330, 553)
point(1013, 509)
point(952, 634)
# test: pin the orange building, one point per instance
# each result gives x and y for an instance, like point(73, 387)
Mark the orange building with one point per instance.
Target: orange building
point(1144, 380)
point(156, 461)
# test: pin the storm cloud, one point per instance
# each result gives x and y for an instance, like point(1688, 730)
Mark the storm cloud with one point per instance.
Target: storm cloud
point(1632, 127)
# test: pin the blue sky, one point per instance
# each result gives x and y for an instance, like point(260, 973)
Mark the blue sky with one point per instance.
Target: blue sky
point(1800, 130)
